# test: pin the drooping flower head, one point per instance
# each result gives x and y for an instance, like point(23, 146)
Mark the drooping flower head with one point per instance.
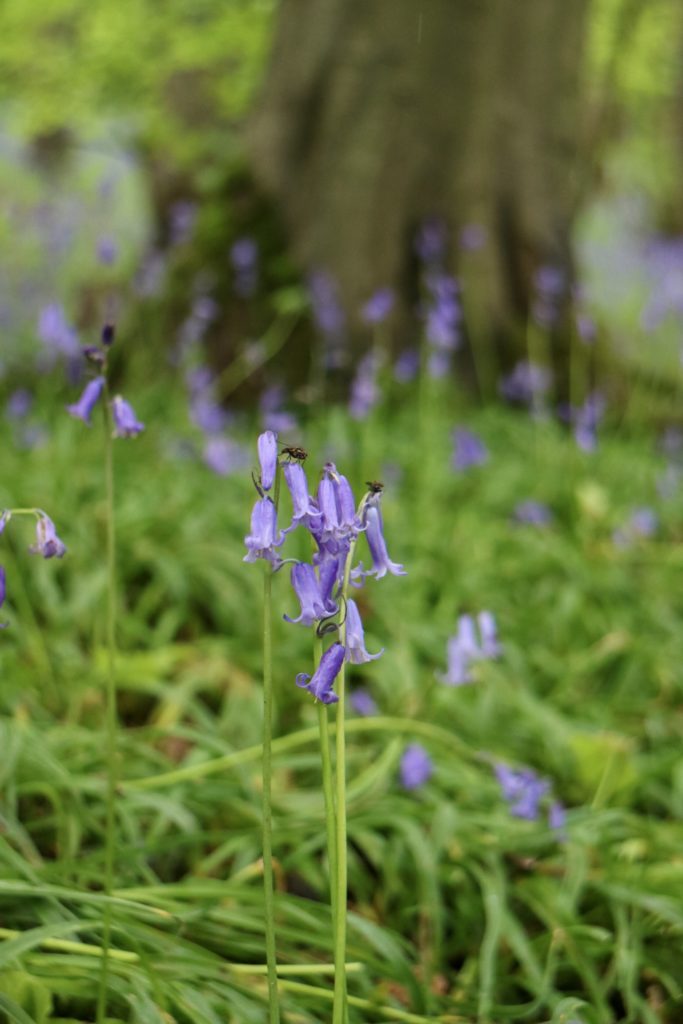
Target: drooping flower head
point(363, 703)
point(355, 636)
point(322, 681)
point(126, 423)
point(82, 409)
point(264, 537)
point(416, 766)
point(374, 532)
point(304, 509)
point(378, 307)
point(314, 604)
point(47, 542)
point(466, 647)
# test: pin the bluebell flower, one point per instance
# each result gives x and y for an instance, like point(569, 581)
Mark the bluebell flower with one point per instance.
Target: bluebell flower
point(364, 387)
point(264, 536)
point(47, 542)
point(82, 409)
point(379, 306)
point(557, 816)
point(586, 419)
point(641, 524)
point(473, 237)
point(304, 509)
point(19, 404)
point(244, 258)
point(442, 314)
point(469, 450)
point(322, 681)
point(328, 316)
point(465, 647)
point(416, 766)
point(532, 513)
point(314, 605)
point(107, 251)
point(267, 453)
point(339, 522)
point(355, 637)
point(126, 424)
point(527, 384)
point(55, 332)
point(523, 790)
point(363, 703)
point(407, 365)
point(431, 240)
point(182, 221)
point(374, 532)
point(224, 456)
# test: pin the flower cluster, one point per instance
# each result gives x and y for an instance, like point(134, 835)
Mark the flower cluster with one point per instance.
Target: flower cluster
point(524, 791)
point(466, 647)
point(441, 309)
point(334, 523)
point(126, 423)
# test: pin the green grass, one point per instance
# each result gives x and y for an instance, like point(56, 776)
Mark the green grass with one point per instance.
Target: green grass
point(458, 910)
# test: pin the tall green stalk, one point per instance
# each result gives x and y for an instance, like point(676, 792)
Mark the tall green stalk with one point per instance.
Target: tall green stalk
point(339, 905)
point(273, 1005)
point(111, 718)
point(328, 789)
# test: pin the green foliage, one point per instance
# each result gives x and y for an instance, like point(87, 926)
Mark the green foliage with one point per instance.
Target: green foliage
point(177, 73)
point(459, 911)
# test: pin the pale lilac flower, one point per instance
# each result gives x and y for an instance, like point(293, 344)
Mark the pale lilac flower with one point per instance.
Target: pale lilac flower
point(407, 365)
point(469, 450)
point(47, 542)
point(19, 404)
point(557, 816)
point(182, 221)
point(308, 591)
point(321, 683)
point(339, 522)
point(82, 409)
point(244, 259)
point(107, 251)
point(224, 456)
point(473, 237)
point(355, 637)
point(431, 240)
point(466, 647)
point(379, 306)
point(532, 513)
point(442, 314)
point(364, 388)
point(267, 453)
point(328, 315)
point(264, 536)
point(586, 328)
point(527, 384)
point(586, 419)
point(362, 702)
point(126, 424)
point(55, 332)
point(641, 524)
point(416, 766)
point(523, 790)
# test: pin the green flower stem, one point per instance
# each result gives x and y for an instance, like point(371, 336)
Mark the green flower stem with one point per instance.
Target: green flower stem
point(111, 718)
point(387, 1012)
point(339, 905)
point(328, 790)
point(274, 1009)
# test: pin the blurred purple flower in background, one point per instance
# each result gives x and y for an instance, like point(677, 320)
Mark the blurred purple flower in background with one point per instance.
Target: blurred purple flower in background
point(224, 456)
point(55, 332)
point(416, 767)
point(378, 307)
point(107, 251)
point(183, 217)
point(469, 450)
point(550, 287)
point(586, 419)
point(431, 240)
point(364, 387)
point(641, 524)
point(523, 790)
point(19, 404)
point(466, 647)
point(473, 237)
point(47, 542)
point(126, 423)
point(363, 703)
point(526, 384)
point(244, 258)
point(328, 316)
point(407, 365)
point(532, 513)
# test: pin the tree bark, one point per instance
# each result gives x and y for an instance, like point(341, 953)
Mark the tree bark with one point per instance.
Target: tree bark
point(375, 116)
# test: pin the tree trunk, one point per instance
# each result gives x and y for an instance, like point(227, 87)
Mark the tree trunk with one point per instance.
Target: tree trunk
point(375, 116)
